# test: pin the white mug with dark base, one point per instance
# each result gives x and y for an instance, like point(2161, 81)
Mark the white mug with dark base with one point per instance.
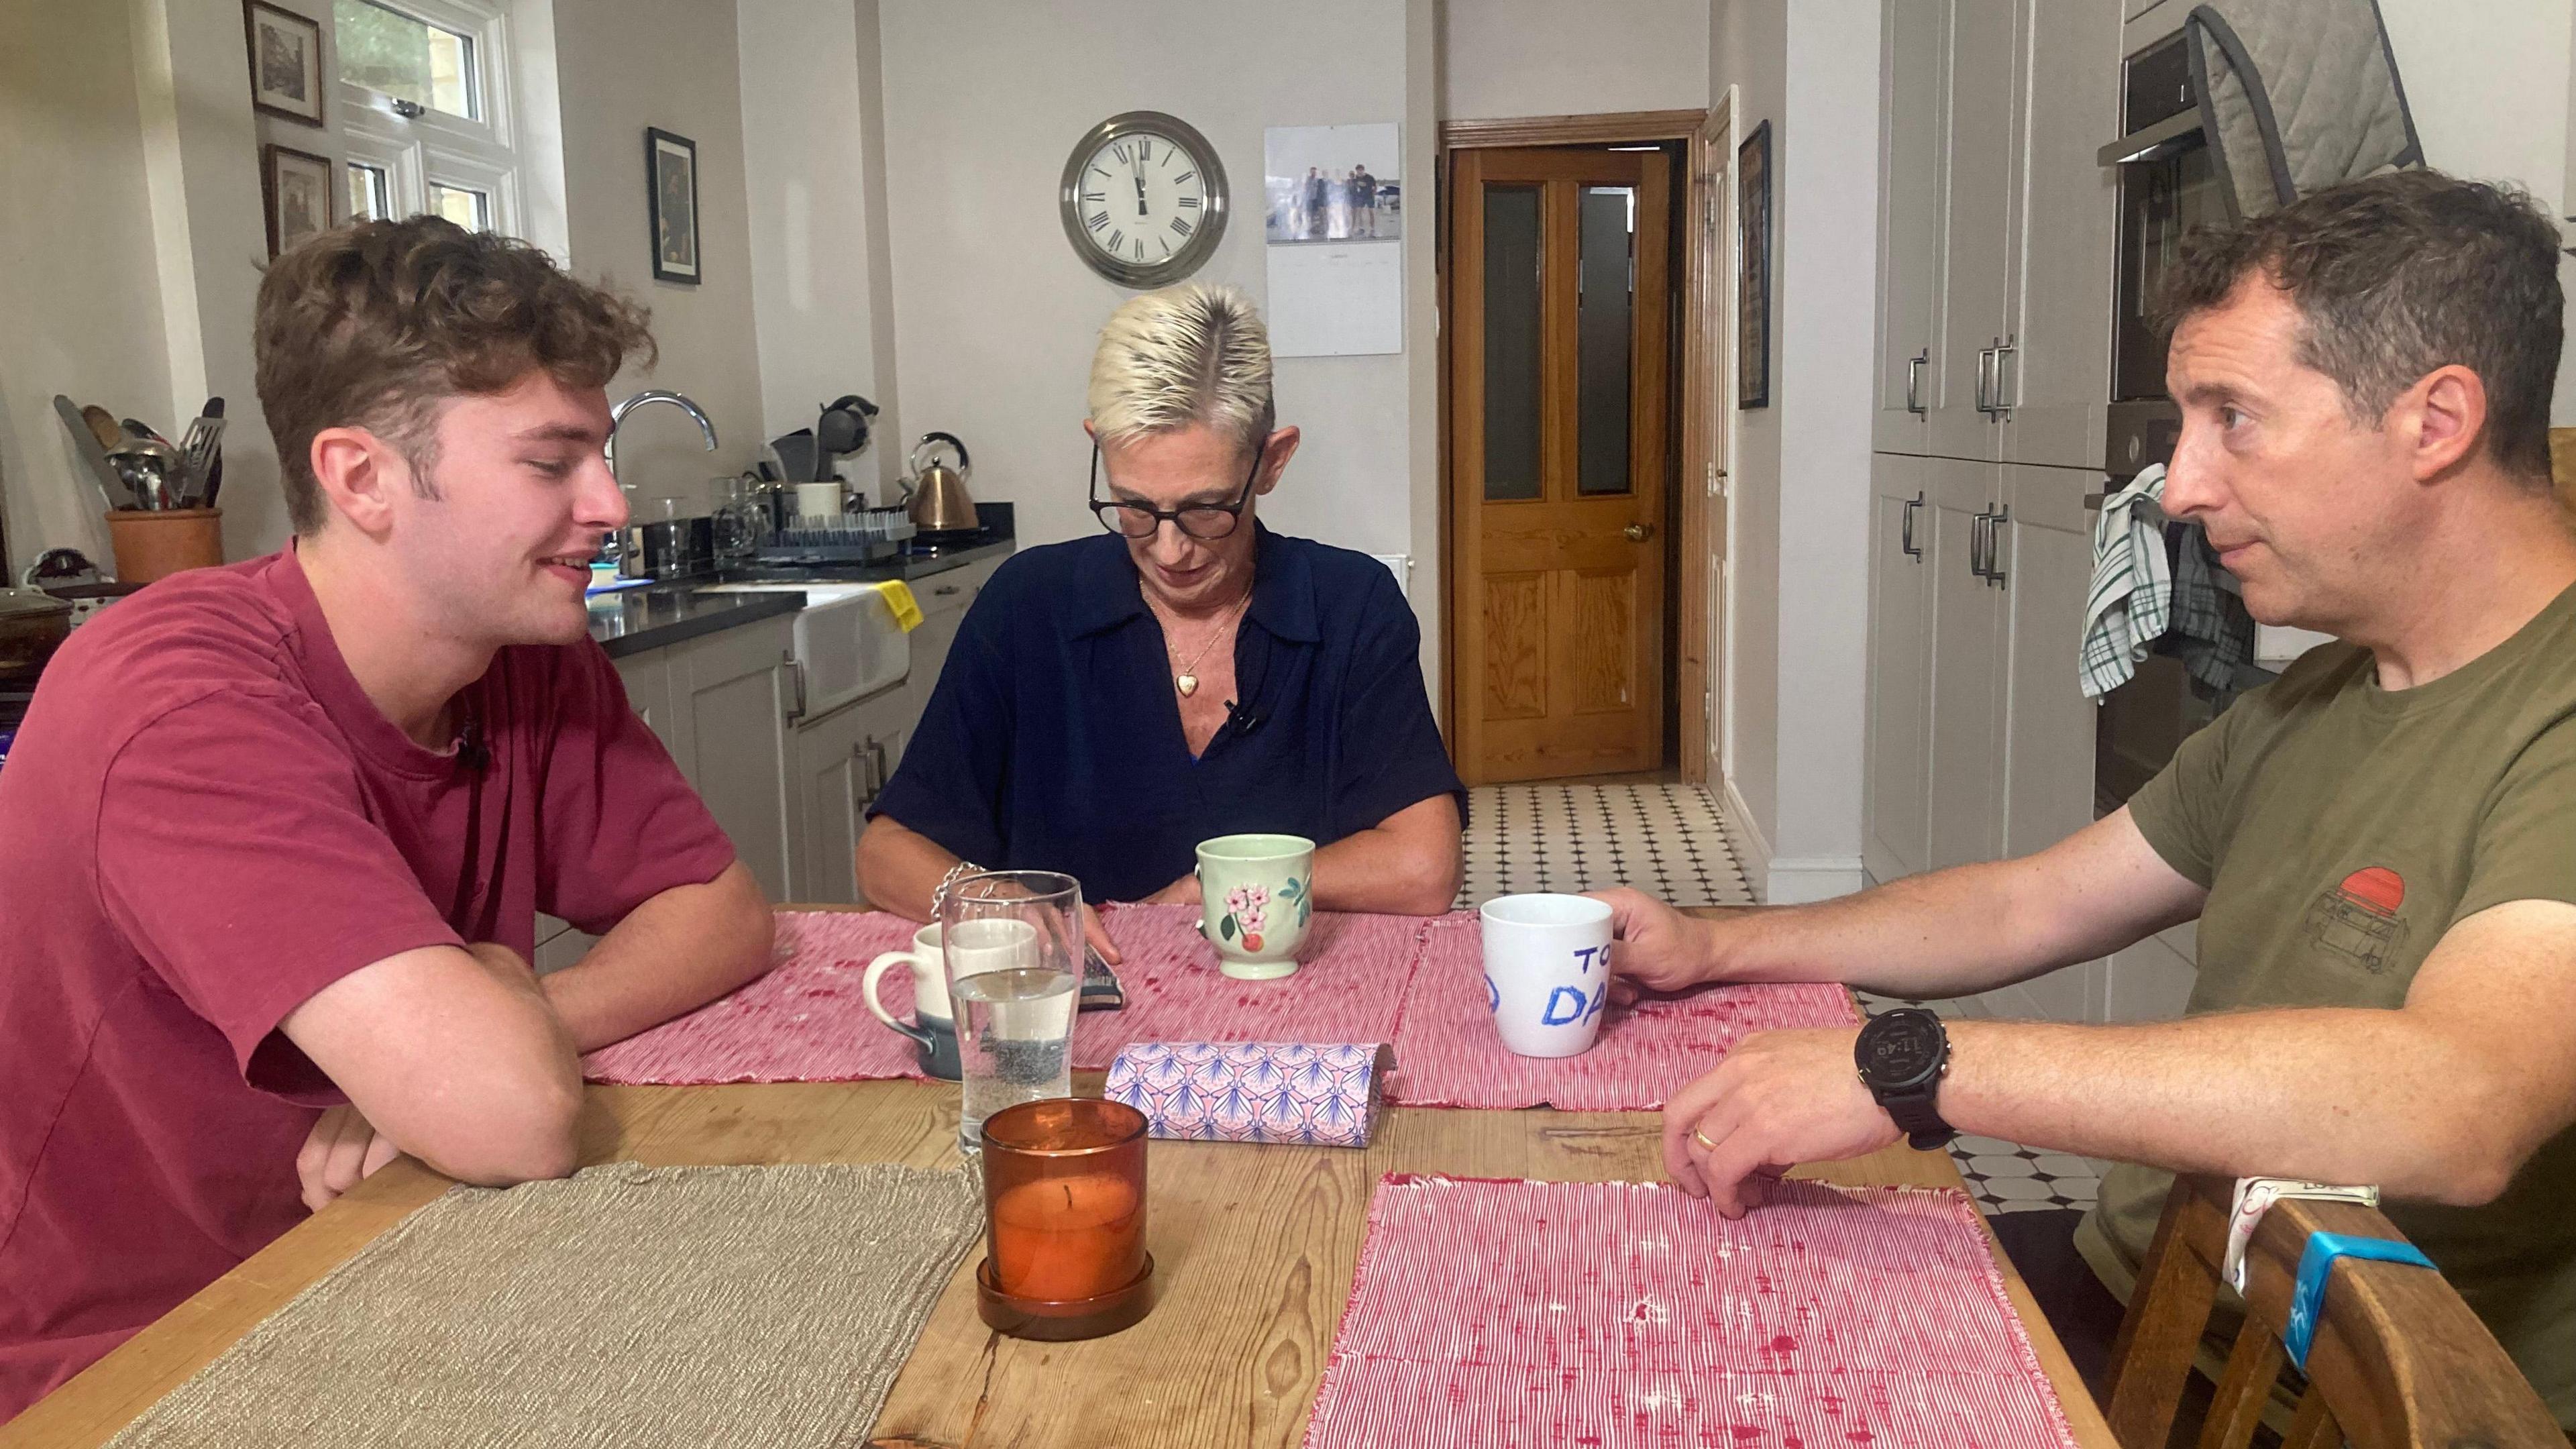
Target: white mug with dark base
point(933, 1028)
point(1547, 971)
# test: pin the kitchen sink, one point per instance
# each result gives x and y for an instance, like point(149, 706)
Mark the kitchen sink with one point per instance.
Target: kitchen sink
point(847, 643)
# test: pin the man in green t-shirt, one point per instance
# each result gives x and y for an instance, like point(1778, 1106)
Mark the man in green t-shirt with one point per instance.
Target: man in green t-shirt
point(2380, 847)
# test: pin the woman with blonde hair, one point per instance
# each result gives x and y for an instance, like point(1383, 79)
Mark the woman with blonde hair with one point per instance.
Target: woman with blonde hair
point(1187, 673)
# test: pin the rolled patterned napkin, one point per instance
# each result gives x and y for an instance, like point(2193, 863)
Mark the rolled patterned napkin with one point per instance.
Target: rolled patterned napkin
point(1319, 1094)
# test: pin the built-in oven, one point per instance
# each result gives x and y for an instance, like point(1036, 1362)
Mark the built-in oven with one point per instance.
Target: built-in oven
point(2167, 185)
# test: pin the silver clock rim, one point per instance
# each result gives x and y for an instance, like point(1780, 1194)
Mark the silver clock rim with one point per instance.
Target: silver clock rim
point(1202, 243)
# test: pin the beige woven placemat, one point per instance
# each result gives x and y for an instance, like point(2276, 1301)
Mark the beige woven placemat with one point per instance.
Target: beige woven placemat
point(625, 1306)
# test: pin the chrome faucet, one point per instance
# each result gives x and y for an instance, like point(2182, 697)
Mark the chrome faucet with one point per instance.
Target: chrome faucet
point(617, 419)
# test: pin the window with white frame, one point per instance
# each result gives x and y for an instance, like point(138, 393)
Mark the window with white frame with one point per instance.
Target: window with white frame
point(424, 111)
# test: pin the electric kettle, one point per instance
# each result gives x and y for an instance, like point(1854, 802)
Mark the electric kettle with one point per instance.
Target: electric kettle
point(935, 493)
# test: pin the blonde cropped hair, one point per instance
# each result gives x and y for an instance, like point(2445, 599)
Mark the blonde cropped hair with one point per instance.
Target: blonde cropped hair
point(1185, 355)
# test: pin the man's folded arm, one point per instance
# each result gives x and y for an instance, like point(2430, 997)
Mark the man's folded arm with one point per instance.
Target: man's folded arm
point(453, 1054)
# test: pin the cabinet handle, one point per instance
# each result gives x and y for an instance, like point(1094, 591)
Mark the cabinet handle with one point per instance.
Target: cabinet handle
point(1994, 546)
point(1914, 380)
point(884, 772)
point(2011, 347)
point(944, 590)
point(796, 673)
point(1989, 375)
point(1906, 541)
point(1977, 545)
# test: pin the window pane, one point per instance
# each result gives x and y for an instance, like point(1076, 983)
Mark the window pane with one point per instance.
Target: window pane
point(406, 58)
point(1608, 278)
point(464, 206)
point(1511, 342)
point(370, 192)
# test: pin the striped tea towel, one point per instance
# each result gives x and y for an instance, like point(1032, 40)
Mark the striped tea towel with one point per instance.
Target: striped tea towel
point(2131, 601)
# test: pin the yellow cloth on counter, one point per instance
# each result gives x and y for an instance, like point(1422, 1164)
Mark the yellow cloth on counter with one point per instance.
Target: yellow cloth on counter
point(898, 597)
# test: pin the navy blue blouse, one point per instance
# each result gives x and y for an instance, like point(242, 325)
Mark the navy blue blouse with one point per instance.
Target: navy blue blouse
point(1053, 740)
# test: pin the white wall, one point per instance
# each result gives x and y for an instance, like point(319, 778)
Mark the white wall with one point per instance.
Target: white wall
point(80, 299)
point(2490, 100)
point(1568, 57)
point(623, 65)
point(995, 316)
point(1801, 494)
point(812, 115)
point(1749, 48)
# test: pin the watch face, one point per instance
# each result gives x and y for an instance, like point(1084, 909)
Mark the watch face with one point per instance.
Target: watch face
point(1143, 199)
point(1900, 1049)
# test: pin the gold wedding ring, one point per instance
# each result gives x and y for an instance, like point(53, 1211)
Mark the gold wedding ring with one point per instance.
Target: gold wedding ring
point(1702, 1138)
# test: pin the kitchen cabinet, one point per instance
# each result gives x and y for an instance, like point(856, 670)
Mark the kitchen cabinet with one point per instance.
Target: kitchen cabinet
point(944, 599)
point(1980, 741)
point(1898, 785)
point(2065, 247)
point(1913, 100)
point(1995, 228)
point(841, 761)
point(1981, 212)
point(730, 695)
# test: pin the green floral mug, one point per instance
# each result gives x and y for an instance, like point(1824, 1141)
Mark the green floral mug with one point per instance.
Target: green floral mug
point(1254, 893)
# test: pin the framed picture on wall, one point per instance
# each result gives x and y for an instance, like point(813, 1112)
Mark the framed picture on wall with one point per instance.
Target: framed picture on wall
point(671, 181)
point(298, 187)
point(1753, 261)
point(285, 62)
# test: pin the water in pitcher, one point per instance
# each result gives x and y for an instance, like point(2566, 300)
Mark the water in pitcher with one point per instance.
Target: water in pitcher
point(1014, 1029)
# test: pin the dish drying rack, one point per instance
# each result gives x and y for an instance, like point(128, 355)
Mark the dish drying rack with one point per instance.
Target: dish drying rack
point(862, 536)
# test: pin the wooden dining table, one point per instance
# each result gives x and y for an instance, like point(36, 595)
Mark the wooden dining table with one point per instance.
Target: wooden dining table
point(1255, 1247)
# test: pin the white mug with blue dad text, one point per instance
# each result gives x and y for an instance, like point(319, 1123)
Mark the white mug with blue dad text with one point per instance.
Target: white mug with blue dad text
point(1547, 971)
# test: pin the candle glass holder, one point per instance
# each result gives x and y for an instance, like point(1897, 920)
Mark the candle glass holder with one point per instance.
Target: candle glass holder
point(1064, 1202)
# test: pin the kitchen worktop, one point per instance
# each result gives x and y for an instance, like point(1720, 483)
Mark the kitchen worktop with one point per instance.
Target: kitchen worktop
point(667, 612)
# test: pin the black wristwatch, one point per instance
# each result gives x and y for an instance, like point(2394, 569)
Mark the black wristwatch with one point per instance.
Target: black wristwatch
point(1902, 1055)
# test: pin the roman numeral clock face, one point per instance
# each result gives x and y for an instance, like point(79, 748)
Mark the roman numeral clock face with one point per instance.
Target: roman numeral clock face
point(1143, 199)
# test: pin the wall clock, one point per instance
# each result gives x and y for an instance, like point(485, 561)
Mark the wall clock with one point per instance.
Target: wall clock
point(1143, 198)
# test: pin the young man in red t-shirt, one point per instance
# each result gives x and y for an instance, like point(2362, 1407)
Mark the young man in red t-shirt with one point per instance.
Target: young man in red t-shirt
point(273, 837)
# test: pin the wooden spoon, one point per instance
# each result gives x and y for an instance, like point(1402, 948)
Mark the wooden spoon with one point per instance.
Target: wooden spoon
point(102, 425)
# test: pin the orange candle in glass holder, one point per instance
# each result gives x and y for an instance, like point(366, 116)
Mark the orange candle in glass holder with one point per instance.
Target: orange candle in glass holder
point(1061, 1238)
point(1064, 1190)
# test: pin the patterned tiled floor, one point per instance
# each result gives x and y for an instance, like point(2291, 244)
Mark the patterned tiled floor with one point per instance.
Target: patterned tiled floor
point(1664, 839)
point(1669, 841)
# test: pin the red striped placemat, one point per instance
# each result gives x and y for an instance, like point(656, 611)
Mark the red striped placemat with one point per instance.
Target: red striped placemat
point(1619, 1314)
point(807, 1022)
point(1349, 985)
point(1448, 1055)
point(803, 1022)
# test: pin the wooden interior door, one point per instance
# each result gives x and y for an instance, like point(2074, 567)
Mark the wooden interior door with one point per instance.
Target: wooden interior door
point(1559, 342)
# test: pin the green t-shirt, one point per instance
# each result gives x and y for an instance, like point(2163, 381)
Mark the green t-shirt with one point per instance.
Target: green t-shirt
point(2340, 830)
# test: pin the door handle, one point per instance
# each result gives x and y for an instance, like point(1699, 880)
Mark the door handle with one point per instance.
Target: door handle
point(1914, 380)
point(796, 671)
point(1987, 374)
point(1638, 532)
point(2009, 347)
point(1906, 540)
point(1994, 545)
point(1977, 544)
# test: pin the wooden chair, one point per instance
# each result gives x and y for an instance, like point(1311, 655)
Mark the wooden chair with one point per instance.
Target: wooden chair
point(2398, 1359)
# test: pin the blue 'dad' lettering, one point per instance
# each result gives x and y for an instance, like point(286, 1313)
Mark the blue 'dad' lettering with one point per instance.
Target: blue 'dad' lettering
point(1583, 955)
point(1566, 1005)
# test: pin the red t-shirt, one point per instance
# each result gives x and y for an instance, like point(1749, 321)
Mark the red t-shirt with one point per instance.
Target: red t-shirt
point(203, 823)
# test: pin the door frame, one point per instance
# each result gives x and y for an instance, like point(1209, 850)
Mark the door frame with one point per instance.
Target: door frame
point(1707, 219)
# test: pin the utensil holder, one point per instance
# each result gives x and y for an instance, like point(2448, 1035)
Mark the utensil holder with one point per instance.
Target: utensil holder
point(154, 545)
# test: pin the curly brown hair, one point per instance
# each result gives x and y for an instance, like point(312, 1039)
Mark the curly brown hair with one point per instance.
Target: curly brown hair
point(374, 325)
point(2396, 275)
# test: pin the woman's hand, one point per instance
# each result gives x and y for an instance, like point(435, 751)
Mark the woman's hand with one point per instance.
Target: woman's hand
point(1182, 892)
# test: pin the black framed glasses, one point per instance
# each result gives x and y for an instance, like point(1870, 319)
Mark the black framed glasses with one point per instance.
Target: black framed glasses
point(1203, 521)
